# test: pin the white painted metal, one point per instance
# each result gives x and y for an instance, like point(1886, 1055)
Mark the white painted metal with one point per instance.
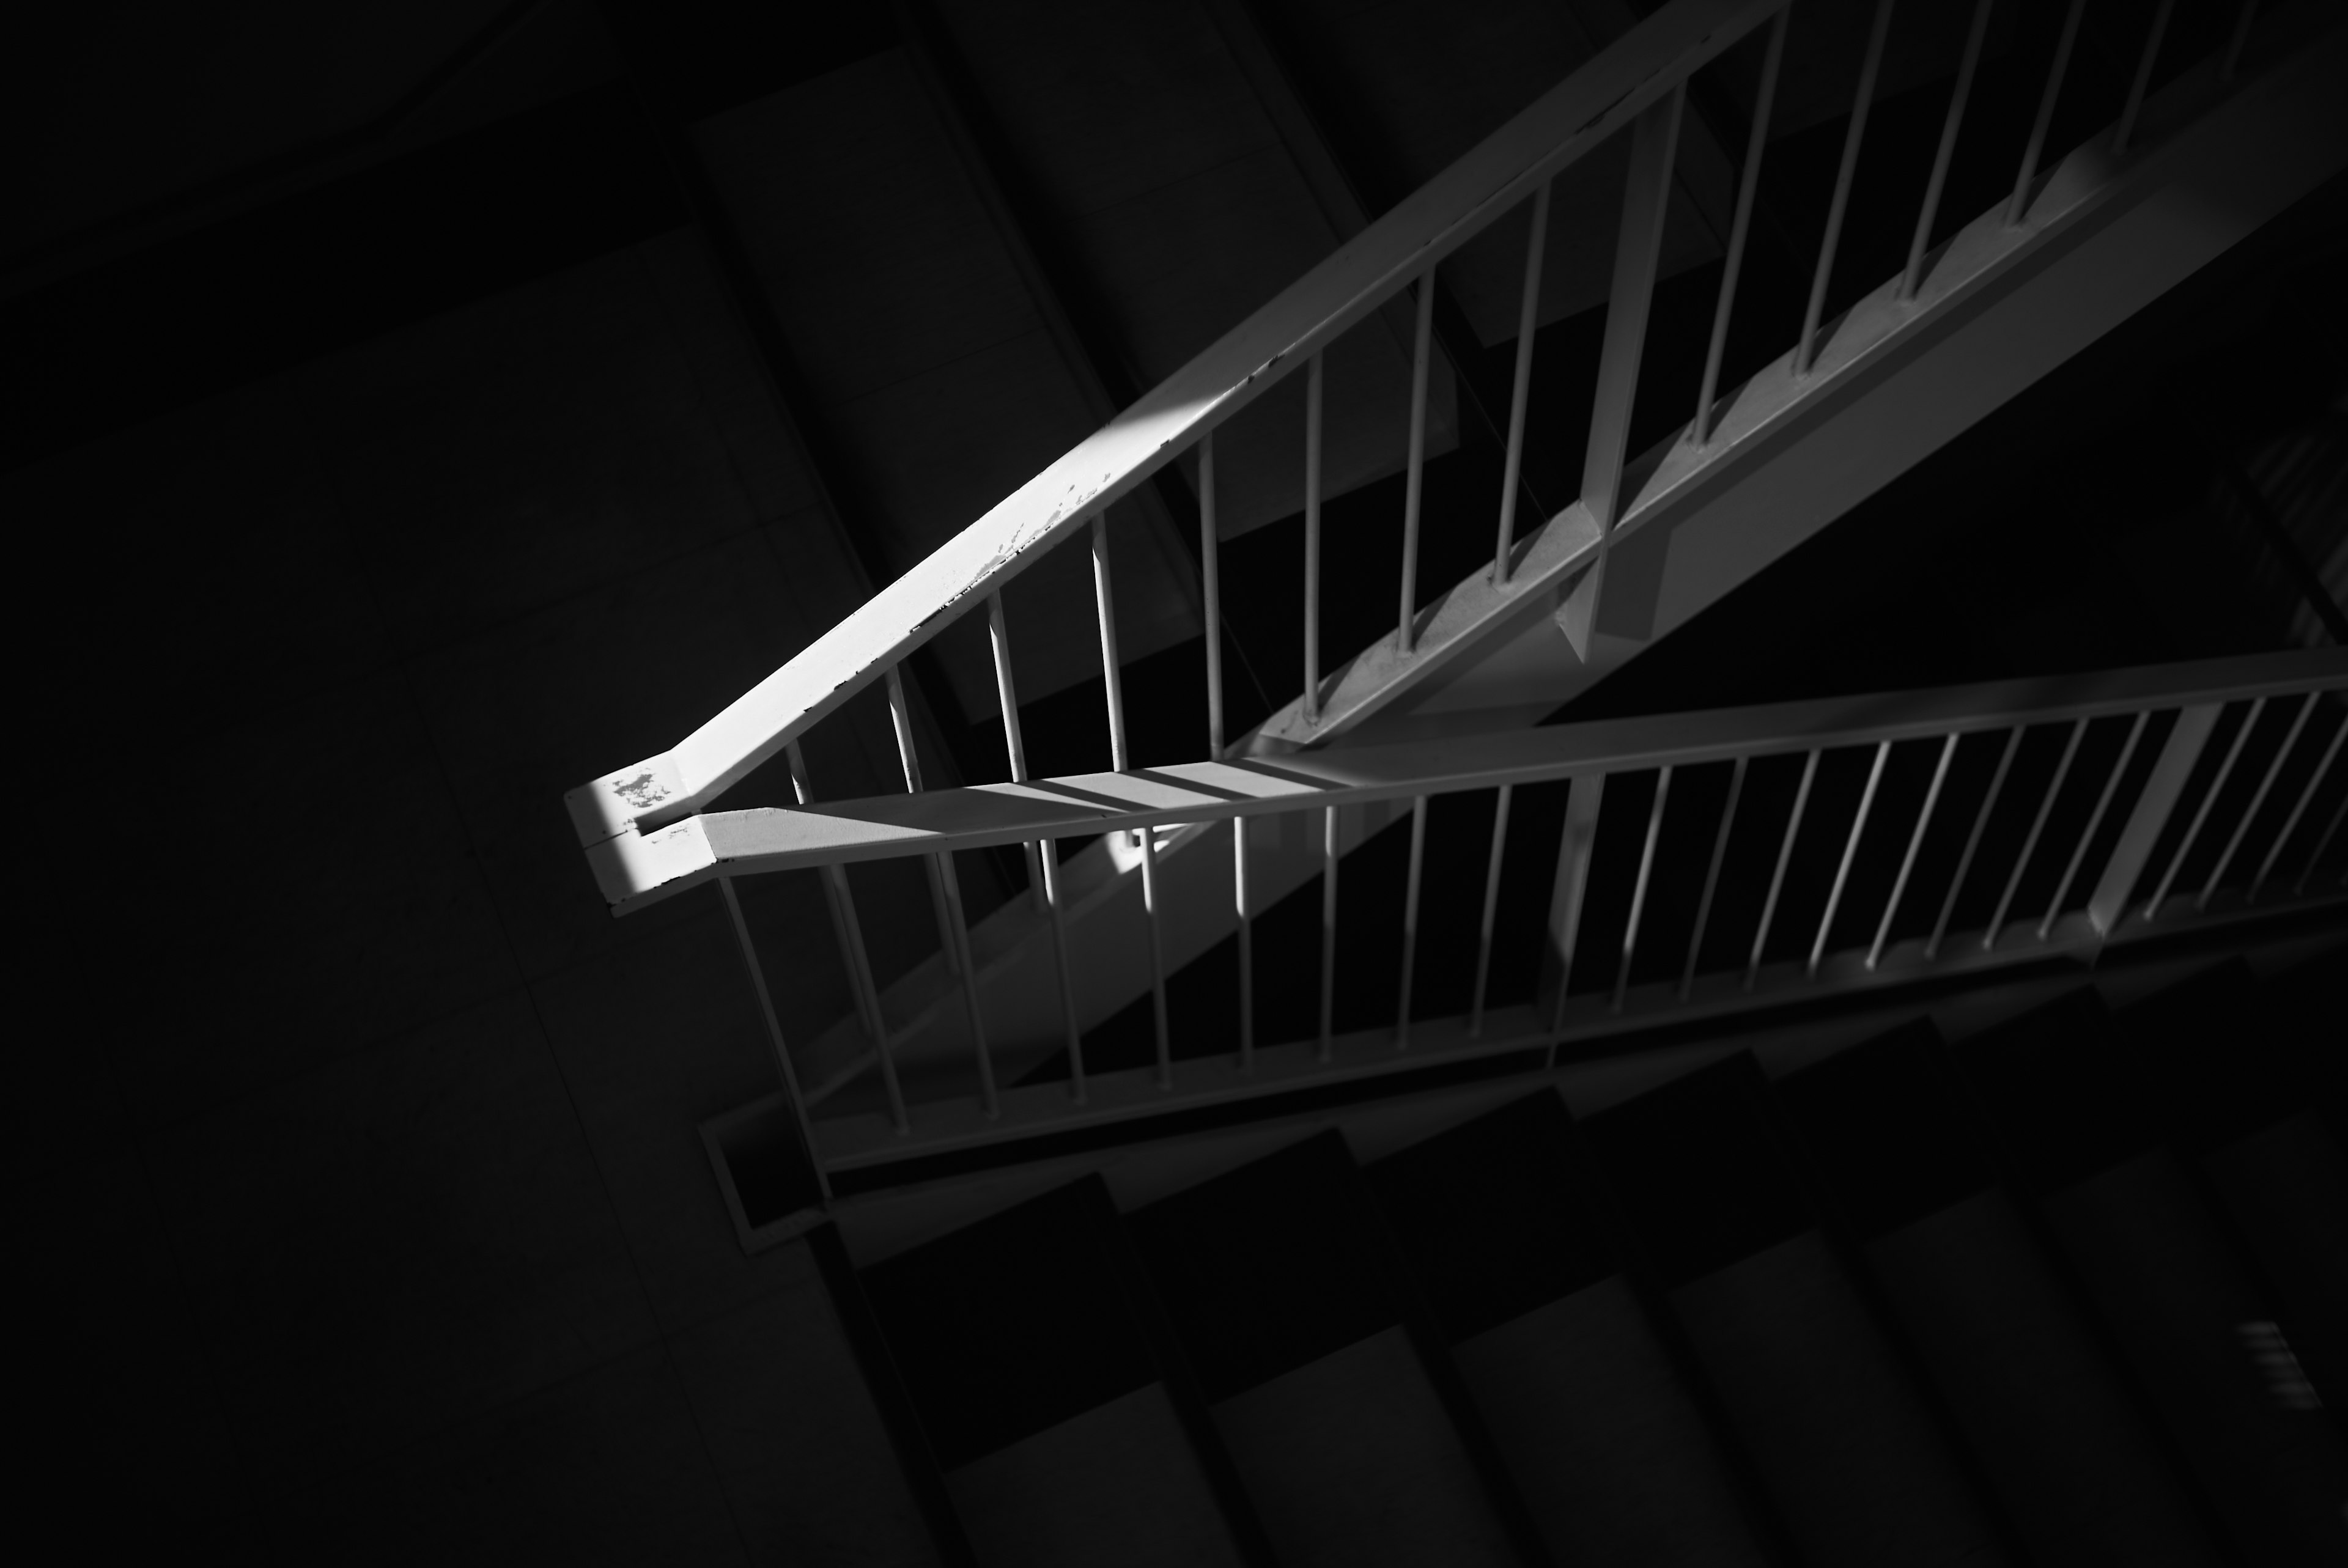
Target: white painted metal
point(2250, 812)
point(1422, 342)
point(1711, 872)
point(1491, 908)
point(2169, 772)
point(1638, 893)
point(1509, 167)
point(2035, 148)
point(1958, 95)
point(1212, 584)
point(1329, 863)
point(1520, 391)
point(1638, 251)
point(1571, 885)
point(1410, 922)
point(2094, 821)
point(1777, 876)
point(2143, 78)
point(1806, 347)
point(1907, 860)
point(1313, 403)
point(2291, 823)
point(1849, 853)
point(1974, 838)
point(2037, 826)
point(2201, 812)
point(890, 827)
point(1740, 230)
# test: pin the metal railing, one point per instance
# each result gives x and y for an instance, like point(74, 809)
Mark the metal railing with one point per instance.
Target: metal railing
point(641, 827)
point(1962, 828)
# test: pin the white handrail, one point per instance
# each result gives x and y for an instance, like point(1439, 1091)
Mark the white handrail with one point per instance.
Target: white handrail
point(636, 871)
point(1509, 167)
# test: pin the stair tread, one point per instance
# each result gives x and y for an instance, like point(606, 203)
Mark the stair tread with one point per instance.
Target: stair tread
point(1119, 1483)
point(2154, 1258)
point(1494, 1217)
point(1611, 1453)
point(1521, 1276)
point(1849, 1447)
point(1011, 1326)
point(1880, 1121)
point(1267, 1269)
point(2018, 1367)
point(1694, 1167)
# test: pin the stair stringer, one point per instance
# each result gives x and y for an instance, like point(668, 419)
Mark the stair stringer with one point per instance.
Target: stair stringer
point(2001, 308)
point(1897, 380)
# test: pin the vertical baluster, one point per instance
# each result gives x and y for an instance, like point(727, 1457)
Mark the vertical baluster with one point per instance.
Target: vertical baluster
point(959, 932)
point(2037, 826)
point(1638, 249)
point(1150, 908)
point(2143, 80)
point(1211, 567)
point(1043, 856)
point(1777, 877)
point(1973, 840)
point(1421, 344)
point(1849, 853)
point(1051, 862)
point(1805, 351)
point(2148, 818)
point(1328, 927)
point(1913, 277)
point(836, 899)
point(2201, 812)
point(774, 1037)
point(1247, 943)
point(998, 638)
point(1639, 892)
point(1313, 541)
point(1491, 908)
point(1711, 872)
point(1104, 606)
point(901, 718)
point(1575, 846)
point(859, 962)
point(1739, 228)
point(1915, 843)
point(945, 896)
point(1410, 921)
point(2338, 812)
point(2225, 859)
point(2095, 821)
point(1520, 388)
point(2241, 36)
point(2306, 794)
point(2037, 144)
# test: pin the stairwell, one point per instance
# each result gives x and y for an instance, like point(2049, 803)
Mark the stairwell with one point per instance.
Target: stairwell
point(1784, 593)
point(2029, 1274)
point(2051, 1278)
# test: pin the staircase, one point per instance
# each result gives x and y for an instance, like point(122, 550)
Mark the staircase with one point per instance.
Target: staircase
point(1428, 1097)
point(2053, 1276)
point(1884, 382)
